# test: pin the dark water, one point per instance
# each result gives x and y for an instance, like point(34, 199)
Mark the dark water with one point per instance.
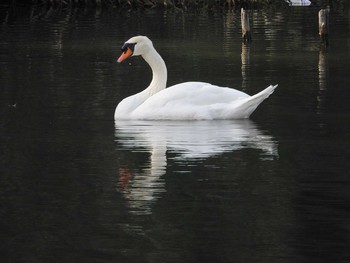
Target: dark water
point(76, 188)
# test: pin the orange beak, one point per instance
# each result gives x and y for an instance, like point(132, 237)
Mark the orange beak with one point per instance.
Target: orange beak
point(125, 55)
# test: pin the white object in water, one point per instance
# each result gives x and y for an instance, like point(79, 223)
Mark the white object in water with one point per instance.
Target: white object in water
point(184, 101)
point(298, 2)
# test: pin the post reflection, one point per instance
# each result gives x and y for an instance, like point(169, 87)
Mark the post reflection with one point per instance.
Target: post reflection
point(185, 141)
point(323, 73)
point(245, 58)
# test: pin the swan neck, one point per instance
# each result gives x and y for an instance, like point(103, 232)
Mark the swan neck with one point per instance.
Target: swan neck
point(159, 71)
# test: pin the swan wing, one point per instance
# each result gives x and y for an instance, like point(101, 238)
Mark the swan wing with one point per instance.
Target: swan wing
point(190, 100)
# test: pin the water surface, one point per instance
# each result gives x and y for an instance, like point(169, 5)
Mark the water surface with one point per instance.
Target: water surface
point(77, 187)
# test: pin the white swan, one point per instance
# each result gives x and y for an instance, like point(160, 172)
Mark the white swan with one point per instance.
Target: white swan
point(184, 101)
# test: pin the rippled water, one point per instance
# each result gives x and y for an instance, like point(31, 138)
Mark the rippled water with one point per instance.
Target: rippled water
point(77, 187)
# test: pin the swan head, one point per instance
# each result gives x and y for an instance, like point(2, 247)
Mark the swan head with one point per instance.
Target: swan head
point(135, 46)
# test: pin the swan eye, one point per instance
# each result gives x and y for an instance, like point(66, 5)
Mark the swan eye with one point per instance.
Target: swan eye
point(128, 45)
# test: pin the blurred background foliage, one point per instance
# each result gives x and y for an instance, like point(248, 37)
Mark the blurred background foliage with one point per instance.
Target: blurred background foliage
point(178, 4)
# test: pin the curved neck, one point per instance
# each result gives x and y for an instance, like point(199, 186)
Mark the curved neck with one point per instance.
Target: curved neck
point(159, 72)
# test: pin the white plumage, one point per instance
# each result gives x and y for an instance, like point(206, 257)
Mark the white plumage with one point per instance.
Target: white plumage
point(184, 101)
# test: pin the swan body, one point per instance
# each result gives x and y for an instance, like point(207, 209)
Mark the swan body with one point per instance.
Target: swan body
point(184, 101)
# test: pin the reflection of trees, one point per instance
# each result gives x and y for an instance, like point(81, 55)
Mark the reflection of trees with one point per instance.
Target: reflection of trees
point(55, 55)
point(229, 32)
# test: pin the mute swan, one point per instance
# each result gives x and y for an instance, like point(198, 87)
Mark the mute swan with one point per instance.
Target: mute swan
point(184, 101)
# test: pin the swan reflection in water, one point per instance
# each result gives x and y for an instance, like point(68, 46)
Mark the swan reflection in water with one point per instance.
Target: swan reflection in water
point(186, 140)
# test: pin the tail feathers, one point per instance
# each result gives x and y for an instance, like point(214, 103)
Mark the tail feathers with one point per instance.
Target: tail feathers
point(246, 107)
point(264, 93)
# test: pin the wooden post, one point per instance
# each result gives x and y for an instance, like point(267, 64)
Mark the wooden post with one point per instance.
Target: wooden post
point(246, 36)
point(230, 4)
point(323, 25)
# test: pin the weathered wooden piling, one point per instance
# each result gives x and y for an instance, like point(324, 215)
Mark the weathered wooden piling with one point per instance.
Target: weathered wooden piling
point(246, 35)
point(323, 25)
